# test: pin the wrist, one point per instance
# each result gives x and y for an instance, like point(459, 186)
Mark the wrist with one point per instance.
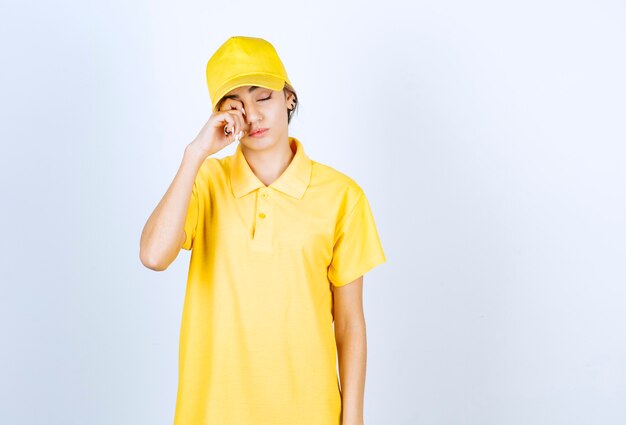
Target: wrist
point(192, 151)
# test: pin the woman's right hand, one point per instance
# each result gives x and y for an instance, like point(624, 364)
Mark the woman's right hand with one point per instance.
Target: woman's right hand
point(211, 138)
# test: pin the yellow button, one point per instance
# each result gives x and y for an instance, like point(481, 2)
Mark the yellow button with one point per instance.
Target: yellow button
point(262, 215)
point(265, 195)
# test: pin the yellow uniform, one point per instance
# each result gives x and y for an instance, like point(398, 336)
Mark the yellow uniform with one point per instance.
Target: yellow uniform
point(257, 344)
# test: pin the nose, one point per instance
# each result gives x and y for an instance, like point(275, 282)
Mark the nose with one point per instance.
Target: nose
point(250, 114)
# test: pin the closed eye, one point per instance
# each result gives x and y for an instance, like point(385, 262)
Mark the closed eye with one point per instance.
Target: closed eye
point(260, 100)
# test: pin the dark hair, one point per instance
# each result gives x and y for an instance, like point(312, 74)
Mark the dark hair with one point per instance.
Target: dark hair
point(287, 89)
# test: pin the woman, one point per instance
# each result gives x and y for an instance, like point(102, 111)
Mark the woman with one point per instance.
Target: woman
point(279, 245)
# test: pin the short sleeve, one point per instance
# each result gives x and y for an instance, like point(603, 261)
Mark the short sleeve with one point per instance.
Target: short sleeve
point(191, 221)
point(357, 247)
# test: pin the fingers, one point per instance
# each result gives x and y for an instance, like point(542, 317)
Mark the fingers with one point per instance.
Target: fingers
point(235, 136)
point(237, 125)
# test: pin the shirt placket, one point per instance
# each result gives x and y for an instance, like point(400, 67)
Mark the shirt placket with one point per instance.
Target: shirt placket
point(264, 219)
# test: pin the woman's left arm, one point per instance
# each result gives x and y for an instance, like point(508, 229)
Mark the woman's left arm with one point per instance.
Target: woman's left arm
point(351, 348)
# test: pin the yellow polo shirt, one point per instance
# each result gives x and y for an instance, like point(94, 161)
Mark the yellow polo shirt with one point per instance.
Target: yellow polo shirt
point(257, 343)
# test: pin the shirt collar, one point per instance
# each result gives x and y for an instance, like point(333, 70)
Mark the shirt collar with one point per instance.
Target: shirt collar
point(293, 181)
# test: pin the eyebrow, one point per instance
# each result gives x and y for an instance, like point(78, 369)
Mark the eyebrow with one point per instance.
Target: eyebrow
point(234, 96)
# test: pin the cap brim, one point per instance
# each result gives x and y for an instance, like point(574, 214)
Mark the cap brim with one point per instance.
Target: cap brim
point(262, 80)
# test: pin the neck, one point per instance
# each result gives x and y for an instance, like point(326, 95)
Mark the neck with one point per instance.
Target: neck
point(269, 164)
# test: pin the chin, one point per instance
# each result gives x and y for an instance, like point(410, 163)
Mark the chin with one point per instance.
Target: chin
point(257, 144)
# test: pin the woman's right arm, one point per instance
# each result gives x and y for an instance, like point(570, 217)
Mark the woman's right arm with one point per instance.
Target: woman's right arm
point(163, 235)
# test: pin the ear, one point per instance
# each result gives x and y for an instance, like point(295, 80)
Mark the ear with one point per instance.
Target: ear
point(291, 101)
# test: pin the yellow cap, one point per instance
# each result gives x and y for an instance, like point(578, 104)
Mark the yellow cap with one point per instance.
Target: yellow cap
point(244, 61)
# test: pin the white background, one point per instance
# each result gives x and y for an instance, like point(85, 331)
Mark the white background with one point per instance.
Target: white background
point(489, 138)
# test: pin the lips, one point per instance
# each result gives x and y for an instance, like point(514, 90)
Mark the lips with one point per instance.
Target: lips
point(258, 132)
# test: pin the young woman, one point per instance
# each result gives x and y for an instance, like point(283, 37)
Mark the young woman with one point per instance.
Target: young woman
point(279, 246)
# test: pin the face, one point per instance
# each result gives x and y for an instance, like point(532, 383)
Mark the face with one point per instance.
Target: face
point(264, 108)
